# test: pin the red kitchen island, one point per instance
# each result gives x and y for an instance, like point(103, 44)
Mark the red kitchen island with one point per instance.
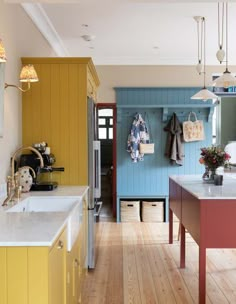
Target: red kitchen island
point(208, 212)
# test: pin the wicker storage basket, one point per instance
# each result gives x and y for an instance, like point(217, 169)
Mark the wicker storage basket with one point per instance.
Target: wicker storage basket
point(130, 211)
point(152, 211)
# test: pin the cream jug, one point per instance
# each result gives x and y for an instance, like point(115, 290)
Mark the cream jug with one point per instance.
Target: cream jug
point(25, 178)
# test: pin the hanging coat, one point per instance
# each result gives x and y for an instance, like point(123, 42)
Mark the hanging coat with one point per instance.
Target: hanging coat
point(174, 145)
point(138, 133)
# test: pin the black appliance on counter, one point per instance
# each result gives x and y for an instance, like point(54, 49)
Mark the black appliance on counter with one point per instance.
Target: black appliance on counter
point(33, 161)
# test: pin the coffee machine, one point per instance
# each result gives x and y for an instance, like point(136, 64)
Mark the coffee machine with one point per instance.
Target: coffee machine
point(32, 160)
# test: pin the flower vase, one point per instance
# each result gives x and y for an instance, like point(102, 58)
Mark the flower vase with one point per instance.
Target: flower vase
point(212, 175)
point(209, 175)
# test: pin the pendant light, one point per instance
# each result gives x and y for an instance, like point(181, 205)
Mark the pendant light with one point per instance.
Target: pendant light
point(204, 94)
point(226, 80)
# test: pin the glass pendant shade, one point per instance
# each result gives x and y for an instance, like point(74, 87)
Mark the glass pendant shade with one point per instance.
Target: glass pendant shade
point(226, 80)
point(204, 95)
point(220, 55)
point(199, 68)
point(3, 57)
point(28, 74)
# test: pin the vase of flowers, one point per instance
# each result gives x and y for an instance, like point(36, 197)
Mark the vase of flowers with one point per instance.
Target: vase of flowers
point(213, 157)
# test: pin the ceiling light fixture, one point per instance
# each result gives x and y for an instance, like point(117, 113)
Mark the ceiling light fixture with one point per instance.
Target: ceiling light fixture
point(204, 94)
point(226, 80)
point(88, 37)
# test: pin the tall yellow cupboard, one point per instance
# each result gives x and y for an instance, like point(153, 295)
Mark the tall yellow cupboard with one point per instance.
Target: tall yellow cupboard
point(54, 110)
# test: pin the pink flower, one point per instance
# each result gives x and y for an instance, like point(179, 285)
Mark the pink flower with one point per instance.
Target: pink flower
point(201, 161)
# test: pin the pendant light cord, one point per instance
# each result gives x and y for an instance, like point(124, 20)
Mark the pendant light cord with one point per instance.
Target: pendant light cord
point(203, 22)
point(221, 31)
point(198, 43)
point(199, 40)
point(226, 38)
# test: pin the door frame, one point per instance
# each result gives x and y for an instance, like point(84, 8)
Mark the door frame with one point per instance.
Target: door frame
point(114, 163)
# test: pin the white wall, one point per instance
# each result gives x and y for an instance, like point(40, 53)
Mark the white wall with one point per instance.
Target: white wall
point(21, 39)
point(150, 76)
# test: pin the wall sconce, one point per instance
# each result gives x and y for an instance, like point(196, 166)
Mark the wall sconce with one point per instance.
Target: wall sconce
point(3, 57)
point(27, 74)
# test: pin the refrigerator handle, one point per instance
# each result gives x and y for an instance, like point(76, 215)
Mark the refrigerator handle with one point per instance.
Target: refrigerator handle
point(97, 175)
point(97, 213)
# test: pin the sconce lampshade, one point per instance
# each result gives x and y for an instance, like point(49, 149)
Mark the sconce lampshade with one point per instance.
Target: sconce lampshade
point(204, 95)
point(3, 57)
point(28, 74)
point(224, 81)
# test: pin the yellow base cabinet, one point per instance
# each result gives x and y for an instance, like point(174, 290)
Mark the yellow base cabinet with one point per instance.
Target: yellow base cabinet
point(33, 275)
point(54, 110)
point(57, 271)
point(74, 274)
point(77, 265)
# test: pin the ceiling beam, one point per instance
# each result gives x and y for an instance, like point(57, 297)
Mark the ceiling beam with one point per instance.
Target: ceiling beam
point(43, 23)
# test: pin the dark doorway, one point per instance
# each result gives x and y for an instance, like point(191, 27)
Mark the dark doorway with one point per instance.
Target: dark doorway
point(107, 136)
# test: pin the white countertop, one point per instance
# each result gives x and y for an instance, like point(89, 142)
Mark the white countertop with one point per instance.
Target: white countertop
point(36, 228)
point(202, 190)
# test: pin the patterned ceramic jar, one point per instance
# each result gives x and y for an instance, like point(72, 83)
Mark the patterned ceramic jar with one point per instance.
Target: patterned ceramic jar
point(25, 178)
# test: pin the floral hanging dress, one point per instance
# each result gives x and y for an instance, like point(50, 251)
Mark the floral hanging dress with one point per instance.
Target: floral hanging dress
point(138, 133)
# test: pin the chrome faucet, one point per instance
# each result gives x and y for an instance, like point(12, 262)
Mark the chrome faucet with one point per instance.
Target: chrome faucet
point(13, 188)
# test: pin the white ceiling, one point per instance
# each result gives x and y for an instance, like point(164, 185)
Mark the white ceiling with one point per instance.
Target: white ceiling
point(132, 31)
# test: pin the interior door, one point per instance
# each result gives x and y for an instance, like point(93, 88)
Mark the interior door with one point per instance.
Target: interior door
point(107, 136)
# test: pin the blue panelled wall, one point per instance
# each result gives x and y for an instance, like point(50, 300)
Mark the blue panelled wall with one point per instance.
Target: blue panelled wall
point(149, 178)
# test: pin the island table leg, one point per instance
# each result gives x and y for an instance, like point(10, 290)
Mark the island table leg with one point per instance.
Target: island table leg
point(182, 246)
point(170, 226)
point(202, 275)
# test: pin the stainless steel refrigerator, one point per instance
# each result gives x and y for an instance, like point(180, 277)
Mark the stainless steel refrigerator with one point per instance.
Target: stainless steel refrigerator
point(94, 173)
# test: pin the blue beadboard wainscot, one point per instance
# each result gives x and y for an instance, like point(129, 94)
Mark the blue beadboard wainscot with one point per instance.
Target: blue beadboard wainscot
point(149, 179)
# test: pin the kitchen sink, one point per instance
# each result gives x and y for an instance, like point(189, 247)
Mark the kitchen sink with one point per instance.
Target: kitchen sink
point(44, 204)
point(55, 204)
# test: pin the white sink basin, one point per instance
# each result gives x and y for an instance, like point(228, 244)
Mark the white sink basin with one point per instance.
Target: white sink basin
point(55, 204)
point(44, 204)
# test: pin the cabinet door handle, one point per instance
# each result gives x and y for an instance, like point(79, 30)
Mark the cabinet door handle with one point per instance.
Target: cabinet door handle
point(60, 245)
point(76, 263)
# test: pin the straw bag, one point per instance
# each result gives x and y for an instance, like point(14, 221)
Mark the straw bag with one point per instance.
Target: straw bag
point(147, 148)
point(193, 130)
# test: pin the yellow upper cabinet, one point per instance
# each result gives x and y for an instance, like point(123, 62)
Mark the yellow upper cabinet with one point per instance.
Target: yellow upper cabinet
point(55, 110)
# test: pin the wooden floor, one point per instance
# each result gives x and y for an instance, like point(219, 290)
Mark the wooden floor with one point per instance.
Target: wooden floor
point(135, 264)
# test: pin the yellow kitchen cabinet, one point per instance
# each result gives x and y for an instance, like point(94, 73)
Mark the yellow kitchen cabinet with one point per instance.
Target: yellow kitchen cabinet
point(33, 275)
point(55, 110)
point(74, 274)
point(77, 265)
point(57, 270)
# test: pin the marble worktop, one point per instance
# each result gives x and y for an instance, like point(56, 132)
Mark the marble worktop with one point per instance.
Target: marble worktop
point(203, 190)
point(36, 228)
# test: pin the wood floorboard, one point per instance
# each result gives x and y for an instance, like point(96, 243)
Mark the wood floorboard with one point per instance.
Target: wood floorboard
point(136, 265)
